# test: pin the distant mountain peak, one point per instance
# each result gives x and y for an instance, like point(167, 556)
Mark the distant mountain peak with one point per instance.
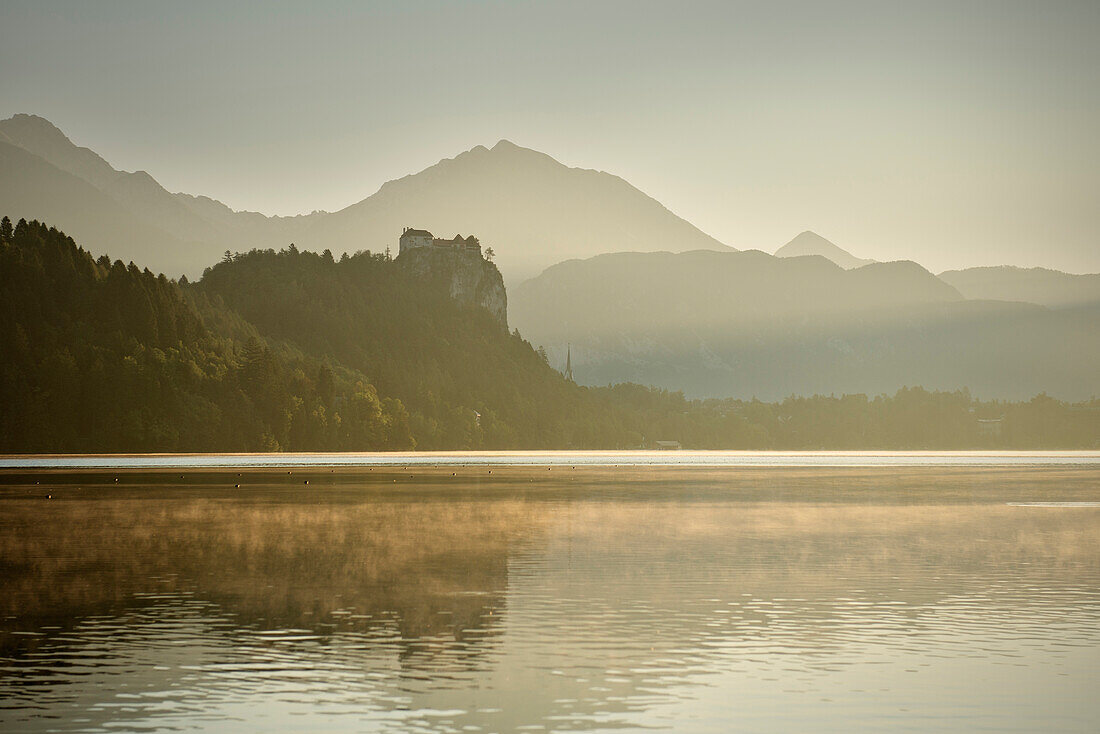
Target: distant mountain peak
point(811, 243)
point(809, 236)
point(506, 150)
point(532, 209)
point(36, 123)
point(33, 133)
point(42, 138)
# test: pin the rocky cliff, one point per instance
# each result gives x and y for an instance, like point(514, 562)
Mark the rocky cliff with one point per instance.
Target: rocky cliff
point(468, 277)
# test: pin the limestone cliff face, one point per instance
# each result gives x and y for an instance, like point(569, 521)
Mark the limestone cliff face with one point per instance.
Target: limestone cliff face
point(469, 278)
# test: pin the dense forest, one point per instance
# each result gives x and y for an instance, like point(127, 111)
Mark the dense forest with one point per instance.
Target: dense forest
point(297, 351)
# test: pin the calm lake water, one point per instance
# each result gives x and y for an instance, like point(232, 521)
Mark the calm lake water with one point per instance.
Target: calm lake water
point(548, 598)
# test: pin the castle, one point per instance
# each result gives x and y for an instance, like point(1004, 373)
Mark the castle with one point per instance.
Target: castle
point(414, 238)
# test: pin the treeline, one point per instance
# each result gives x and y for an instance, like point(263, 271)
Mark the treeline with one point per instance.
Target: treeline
point(106, 357)
point(913, 418)
point(297, 351)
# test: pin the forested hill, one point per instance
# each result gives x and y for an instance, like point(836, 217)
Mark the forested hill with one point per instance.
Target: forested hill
point(465, 380)
point(272, 350)
point(100, 356)
point(297, 351)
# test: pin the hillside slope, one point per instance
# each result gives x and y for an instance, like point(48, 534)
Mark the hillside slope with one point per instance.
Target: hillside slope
point(38, 190)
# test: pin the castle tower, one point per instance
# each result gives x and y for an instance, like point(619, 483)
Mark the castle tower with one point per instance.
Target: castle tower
point(569, 363)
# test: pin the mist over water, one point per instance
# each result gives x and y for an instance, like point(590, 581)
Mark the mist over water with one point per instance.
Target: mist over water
point(552, 599)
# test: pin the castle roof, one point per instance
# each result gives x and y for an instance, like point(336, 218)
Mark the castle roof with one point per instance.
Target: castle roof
point(417, 232)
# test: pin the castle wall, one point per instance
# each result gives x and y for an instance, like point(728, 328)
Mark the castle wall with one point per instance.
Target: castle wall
point(409, 242)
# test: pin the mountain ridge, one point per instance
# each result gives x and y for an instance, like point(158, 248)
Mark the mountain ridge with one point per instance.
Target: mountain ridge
point(107, 225)
point(534, 209)
point(1044, 286)
point(512, 187)
point(41, 137)
point(749, 324)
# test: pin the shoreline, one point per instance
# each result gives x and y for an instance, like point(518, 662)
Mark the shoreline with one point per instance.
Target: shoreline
point(594, 459)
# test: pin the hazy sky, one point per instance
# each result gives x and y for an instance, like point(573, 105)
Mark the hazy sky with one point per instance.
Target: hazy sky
point(955, 134)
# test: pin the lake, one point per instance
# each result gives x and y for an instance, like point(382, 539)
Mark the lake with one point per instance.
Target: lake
point(949, 594)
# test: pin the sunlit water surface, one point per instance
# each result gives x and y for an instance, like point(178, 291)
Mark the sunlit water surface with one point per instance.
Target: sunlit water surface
point(552, 599)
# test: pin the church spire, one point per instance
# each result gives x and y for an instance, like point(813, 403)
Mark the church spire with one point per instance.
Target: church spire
point(568, 363)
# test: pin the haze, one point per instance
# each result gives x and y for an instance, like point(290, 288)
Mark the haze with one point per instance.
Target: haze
point(951, 136)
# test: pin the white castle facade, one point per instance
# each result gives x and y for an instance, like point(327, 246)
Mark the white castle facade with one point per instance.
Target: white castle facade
point(414, 238)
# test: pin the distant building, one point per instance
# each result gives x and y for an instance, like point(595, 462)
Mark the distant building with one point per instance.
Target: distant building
point(414, 238)
point(667, 445)
point(411, 238)
point(990, 427)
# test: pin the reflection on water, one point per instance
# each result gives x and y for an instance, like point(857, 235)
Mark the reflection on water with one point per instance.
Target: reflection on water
point(564, 600)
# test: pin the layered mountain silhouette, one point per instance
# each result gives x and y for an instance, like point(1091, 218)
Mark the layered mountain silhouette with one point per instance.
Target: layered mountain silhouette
point(1041, 286)
point(610, 293)
point(45, 176)
point(811, 243)
point(533, 210)
point(530, 208)
point(1051, 288)
point(32, 188)
point(710, 320)
point(750, 324)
